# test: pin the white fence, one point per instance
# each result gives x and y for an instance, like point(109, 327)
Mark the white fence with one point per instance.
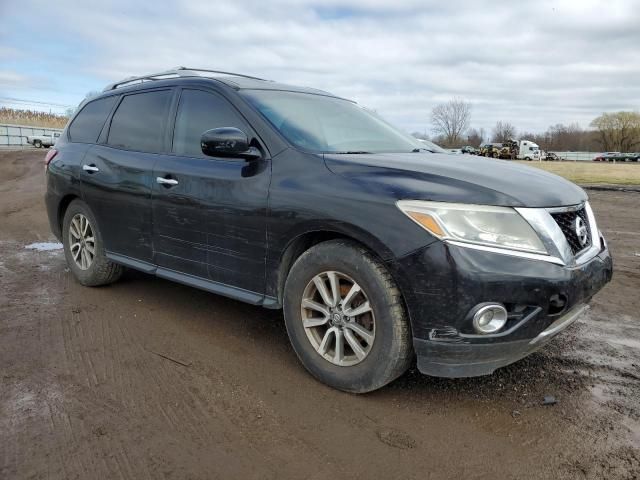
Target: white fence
point(578, 156)
point(15, 136)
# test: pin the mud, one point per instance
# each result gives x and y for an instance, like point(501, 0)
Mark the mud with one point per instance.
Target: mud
point(150, 379)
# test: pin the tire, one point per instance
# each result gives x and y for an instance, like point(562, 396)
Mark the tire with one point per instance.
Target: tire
point(528, 159)
point(98, 270)
point(390, 351)
point(37, 143)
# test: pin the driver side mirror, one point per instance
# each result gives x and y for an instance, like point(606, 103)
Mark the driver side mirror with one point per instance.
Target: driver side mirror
point(228, 142)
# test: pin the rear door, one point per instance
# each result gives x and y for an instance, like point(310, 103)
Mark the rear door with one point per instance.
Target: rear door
point(210, 220)
point(117, 173)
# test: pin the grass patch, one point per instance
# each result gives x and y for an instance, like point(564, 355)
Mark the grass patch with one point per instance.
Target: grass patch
point(593, 172)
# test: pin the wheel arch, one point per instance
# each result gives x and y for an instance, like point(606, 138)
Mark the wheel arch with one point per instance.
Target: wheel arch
point(62, 208)
point(305, 240)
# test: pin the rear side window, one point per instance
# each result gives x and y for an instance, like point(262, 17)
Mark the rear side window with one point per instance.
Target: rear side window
point(198, 112)
point(87, 125)
point(139, 121)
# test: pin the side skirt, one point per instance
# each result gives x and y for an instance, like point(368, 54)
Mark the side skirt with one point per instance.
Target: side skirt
point(236, 293)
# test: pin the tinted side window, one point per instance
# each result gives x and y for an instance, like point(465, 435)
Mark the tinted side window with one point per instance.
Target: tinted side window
point(138, 123)
point(88, 123)
point(198, 112)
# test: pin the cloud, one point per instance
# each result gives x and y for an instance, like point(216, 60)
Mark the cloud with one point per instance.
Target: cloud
point(531, 63)
point(13, 79)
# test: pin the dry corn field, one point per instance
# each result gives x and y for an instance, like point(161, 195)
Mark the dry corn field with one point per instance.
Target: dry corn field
point(31, 118)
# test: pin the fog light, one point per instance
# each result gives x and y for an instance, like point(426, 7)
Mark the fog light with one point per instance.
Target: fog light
point(490, 318)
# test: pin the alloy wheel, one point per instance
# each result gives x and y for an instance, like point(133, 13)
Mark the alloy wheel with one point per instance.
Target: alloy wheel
point(338, 319)
point(82, 241)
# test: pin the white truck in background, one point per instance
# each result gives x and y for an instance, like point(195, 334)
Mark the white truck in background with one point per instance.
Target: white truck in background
point(39, 141)
point(528, 150)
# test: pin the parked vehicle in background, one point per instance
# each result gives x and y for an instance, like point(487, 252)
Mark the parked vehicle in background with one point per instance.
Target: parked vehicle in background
point(509, 150)
point(632, 157)
point(39, 141)
point(527, 150)
point(470, 150)
point(609, 157)
point(551, 157)
point(291, 198)
point(512, 150)
point(491, 150)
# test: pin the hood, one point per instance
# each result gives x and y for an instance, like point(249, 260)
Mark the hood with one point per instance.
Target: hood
point(456, 178)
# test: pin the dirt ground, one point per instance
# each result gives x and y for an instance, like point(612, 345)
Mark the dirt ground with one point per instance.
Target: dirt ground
point(150, 379)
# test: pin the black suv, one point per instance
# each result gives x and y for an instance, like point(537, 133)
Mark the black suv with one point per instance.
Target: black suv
point(286, 197)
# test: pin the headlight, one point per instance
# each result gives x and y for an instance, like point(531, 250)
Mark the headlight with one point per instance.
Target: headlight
point(501, 227)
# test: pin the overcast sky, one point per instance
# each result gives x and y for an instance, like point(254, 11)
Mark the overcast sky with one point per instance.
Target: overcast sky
point(532, 63)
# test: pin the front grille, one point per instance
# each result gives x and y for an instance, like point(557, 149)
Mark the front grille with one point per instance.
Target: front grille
point(567, 223)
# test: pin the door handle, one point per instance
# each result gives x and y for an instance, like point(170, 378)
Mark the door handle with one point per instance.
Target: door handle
point(166, 181)
point(90, 168)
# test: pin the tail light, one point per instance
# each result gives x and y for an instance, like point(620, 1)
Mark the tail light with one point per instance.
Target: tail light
point(50, 156)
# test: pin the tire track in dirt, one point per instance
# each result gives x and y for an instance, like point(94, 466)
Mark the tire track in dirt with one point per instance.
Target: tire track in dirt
point(152, 371)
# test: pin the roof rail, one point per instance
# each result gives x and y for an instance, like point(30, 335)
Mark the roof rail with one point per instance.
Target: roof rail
point(175, 72)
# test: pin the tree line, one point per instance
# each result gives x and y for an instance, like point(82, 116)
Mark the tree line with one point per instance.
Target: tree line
point(609, 132)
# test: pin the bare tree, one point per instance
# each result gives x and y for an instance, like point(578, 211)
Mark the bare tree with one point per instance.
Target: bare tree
point(420, 135)
point(475, 137)
point(450, 120)
point(618, 131)
point(562, 138)
point(503, 132)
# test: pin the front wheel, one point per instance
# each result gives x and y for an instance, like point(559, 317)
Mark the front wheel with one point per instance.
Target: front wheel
point(83, 247)
point(345, 318)
point(37, 143)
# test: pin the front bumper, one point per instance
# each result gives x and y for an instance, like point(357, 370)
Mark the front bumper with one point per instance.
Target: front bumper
point(471, 360)
point(442, 283)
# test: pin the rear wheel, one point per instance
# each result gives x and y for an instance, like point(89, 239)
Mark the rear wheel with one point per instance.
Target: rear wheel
point(345, 318)
point(83, 247)
point(37, 143)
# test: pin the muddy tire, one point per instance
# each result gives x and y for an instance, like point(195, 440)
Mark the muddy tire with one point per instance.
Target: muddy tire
point(37, 143)
point(83, 247)
point(365, 341)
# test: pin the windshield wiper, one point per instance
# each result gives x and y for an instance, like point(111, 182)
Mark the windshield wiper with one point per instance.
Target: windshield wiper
point(417, 150)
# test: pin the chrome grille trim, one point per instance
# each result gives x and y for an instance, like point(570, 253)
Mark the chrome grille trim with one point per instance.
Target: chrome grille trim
point(567, 223)
point(555, 240)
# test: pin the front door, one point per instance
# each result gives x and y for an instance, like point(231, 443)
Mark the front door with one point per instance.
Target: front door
point(209, 213)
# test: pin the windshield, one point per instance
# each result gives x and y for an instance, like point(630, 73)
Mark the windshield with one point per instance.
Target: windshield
point(328, 125)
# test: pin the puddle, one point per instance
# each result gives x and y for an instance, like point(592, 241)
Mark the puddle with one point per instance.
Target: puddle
point(44, 246)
